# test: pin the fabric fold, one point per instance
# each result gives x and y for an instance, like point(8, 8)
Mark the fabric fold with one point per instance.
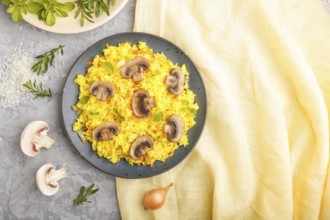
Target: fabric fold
point(264, 152)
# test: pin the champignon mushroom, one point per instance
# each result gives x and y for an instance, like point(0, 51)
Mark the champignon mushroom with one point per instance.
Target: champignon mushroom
point(102, 90)
point(142, 103)
point(174, 128)
point(105, 131)
point(175, 81)
point(140, 147)
point(47, 179)
point(34, 137)
point(135, 67)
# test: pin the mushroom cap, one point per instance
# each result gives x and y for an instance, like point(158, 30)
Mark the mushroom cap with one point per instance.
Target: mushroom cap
point(174, 128)
point(140, 146)
point(29, 133)
point(105, 131)
point(46, 188)
point(135, 67)
point(102, 90)
point(142, 103)
point(175, 81)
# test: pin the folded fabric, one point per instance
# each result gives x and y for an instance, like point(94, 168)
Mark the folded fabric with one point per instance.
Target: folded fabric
point(264, 152)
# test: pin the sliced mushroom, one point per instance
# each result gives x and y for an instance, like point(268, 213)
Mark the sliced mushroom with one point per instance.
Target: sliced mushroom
point(142, 103)
point(105, 131)
point(175, 81)
point(135, 67)
point(47, 179)
point(140, 147)
point(174, 128)
point(34, 137)
point(102, 90)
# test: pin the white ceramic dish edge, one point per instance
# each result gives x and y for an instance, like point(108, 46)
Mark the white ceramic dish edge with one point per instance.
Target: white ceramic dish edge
point(70, 25)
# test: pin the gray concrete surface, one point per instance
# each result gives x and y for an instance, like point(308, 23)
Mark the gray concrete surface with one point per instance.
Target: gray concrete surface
point(19, 195)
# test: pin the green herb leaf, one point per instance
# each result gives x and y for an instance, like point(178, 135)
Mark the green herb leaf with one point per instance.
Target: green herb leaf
point(61, 13)
point(122, 118)
point(82, 136)
point(77, 110)
point(44, 9)
point(84, 99)
point(38, 90)
point(46, 58)
point(50, 18)
point(86, 9)
point(11, 9)
point(158, 116)
point(17, 15)
point(50, 8)
point(185, 102)
point(108, 66)
point(68, 6)
point(6, 2)
point(34, 7)
point(89, 190)
point(42, 14)
point(193, 111)
point(83, 195)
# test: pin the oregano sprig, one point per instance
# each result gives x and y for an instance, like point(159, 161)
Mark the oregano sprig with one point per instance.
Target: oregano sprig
point(83, 195)
point(45, 59)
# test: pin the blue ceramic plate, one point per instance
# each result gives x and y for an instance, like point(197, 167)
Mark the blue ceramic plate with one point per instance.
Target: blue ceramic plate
point(122, 168)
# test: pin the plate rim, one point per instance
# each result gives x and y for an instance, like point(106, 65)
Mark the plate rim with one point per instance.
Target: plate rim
point(202, 123)
point(53, 29)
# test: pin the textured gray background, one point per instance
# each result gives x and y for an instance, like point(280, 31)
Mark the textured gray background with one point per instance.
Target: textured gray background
point(19, 195)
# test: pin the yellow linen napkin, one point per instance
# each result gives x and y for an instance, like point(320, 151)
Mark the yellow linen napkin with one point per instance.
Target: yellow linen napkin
point(264, 152)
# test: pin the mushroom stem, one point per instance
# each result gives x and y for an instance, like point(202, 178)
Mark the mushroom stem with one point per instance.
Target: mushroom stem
point(42, 140)
point(171, 81)
point(167, 129)
point(101, 94)
point(138, 76)
point(174, 128)
point(149, 103)
point(56, 175)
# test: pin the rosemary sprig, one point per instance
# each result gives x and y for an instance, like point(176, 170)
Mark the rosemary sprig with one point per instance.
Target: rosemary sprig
point(86, 9)
point(83, 194)
point(101, 6)
point(37, 90)
point(45, 59)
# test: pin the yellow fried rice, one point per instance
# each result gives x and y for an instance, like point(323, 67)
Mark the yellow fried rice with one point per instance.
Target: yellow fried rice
point(93, 112)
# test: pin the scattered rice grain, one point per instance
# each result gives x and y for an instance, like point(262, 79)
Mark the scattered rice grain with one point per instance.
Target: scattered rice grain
point(14, 73)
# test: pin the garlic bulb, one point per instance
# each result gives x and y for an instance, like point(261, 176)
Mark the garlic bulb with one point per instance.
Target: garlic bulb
point(154, 199)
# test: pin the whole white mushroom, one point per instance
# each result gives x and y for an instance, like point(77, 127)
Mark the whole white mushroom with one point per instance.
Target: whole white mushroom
point(35, 137)
point(47, 179)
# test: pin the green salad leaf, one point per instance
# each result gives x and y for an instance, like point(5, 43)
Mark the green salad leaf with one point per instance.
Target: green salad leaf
point(48, 10)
